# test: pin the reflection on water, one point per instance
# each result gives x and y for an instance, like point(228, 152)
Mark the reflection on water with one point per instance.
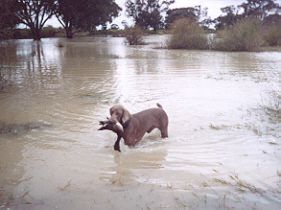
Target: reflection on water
point(224, 110)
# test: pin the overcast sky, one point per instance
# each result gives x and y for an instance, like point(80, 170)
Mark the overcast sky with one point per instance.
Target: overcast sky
point(213, 8)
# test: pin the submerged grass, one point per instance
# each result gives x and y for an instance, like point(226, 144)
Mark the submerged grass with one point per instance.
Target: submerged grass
point(240, 184)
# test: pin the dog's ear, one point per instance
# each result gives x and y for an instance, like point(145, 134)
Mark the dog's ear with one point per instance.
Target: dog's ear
point(125, 116)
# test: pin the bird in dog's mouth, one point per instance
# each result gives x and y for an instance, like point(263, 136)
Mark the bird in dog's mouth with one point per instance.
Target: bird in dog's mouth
point(114, 126)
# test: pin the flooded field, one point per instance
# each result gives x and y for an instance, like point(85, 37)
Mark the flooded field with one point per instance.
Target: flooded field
point(224, 145)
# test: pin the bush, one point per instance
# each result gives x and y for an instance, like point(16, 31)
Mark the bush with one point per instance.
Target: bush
point(187, 34)
point(134, 35)
point(25, 33)
point(245, 35)
point(49, 31)
point(22, 34)
point(272, 35)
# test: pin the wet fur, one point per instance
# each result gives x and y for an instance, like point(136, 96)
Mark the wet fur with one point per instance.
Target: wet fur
point(136, 125)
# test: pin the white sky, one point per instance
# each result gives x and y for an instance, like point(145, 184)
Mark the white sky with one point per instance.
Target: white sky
point(213, 8)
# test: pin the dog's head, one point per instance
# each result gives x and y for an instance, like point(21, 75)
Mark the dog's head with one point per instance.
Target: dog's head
point(119, 114)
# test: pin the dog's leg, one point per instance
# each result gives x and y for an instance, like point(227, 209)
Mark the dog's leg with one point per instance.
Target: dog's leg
point(117, 144)
point(164, 132)
point(164, 135)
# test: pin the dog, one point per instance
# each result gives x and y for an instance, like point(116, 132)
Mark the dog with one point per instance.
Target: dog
point(132, 127)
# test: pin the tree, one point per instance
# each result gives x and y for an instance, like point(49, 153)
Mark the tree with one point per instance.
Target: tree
point(230, 17)
point(148, 14)
point(273, 19)
point(207, 23)
point(85, 14)
point(8, 19)
point(192, 13)
point(65, 13)
point(34, 14)
point(259, 8)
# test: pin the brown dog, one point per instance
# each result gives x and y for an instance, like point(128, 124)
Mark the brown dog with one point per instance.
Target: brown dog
point(132, 127)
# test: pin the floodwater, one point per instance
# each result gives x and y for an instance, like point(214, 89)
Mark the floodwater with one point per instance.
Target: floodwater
point(224, 145)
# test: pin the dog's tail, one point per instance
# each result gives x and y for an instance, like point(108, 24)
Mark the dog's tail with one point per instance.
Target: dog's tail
point(159, 106)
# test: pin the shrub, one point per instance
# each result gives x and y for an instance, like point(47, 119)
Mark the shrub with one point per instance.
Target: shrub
point(22, 34)
point(49, 31)
point(272, 35)
point(187, 34)
point(134, 35)
point(245, 35)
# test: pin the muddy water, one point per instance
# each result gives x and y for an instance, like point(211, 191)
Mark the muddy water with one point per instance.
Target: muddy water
point(224, 148)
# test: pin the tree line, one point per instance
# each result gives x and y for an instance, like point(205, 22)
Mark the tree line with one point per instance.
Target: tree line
point(73, 15)
point(150, 14)
point(268, 11)
point(86, 15)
